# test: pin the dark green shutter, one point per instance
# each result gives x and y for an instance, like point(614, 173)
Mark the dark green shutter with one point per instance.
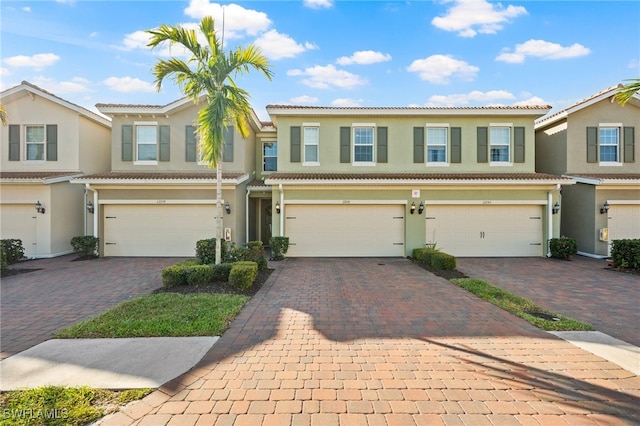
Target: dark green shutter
point(52, 142)
point(127, 142)
point(382, 145)
point(190, 144)
point(14, 142)
point(165, 147)
point(418, 144)
point(592, 144)
point(518, 145)
point(295, 144)
point(483, 145)
point(345, 144)
point(456, 145)
point(227, 153)
point(629, 144)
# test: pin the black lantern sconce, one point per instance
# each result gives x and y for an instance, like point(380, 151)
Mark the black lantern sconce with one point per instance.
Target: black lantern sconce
point(227, 207)
point(90, 208)
point(556, 208)
point(412, 209)
point(277, 207)
point(421, 207)
point(605, 208)
point(39, 207)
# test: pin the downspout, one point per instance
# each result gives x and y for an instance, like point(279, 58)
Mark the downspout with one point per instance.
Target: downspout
point(85, 211)
point(282, 210)
point(550, 217)
point(246, 220)
point(95, 209)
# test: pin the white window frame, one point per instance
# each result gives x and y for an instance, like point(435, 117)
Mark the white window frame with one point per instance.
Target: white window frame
point(618, 128)
point(354, 128)
point(509, 145)
point(264, 157)
point(136, 125)
point(43, 143)
point(306, 143)
point(445, 127)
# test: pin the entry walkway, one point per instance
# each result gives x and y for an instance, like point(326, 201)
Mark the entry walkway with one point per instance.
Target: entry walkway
point(382, 342)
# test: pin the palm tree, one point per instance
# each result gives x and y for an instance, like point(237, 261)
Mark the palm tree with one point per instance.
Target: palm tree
point(3, 116)
point(627, 91)
point(210, 71)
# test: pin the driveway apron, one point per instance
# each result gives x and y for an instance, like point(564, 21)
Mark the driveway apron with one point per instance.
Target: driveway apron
point(382, 342)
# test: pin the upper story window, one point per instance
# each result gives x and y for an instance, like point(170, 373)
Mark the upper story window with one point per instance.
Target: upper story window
point(311, 139)
point(363, 143)
point(437, 145)
point(500, 144)
point(147, 142)
point(609, 144)
point(270, 156)
point(35, 142)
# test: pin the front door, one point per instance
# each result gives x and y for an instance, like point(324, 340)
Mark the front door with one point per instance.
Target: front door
point(265, 221)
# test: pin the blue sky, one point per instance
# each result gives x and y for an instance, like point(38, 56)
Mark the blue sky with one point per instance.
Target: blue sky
point(335, 53)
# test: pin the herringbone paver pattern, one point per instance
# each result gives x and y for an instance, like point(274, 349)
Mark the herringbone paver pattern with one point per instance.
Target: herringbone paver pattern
point(382, 342)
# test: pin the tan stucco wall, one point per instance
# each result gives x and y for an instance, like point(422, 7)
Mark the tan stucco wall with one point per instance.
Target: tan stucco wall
point(551, 149)
point(95, 147)
point(67, 215)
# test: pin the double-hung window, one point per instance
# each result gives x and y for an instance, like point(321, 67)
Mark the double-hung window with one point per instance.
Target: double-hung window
point(147, 142)
point(311, 136)
point(500, 144)
point(437, 145)
point(609, 138)
point(270, 156)
point(363, 143)
point(35, 139)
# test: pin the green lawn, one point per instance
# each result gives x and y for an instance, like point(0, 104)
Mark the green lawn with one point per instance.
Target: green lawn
point(519, 306)
point(162, 315)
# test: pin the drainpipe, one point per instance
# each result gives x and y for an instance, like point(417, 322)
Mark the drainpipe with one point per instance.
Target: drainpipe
point(282, 210)
point(550, 217)
point(246, 217)
point(95, 208)
point(85, 211)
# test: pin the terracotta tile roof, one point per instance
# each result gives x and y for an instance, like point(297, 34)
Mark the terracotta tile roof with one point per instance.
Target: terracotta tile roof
point(259, 185)
point(36, 175)
point(415, 176)
point(407, 108)
point(150, 176)
point(607, 176)
point(551, 118)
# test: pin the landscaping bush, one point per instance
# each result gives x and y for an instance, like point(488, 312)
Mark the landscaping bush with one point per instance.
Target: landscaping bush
point(255, 253)
point(12, 250)
point(626, 254)
point(279, 247)
point(176, 274)
point(563, 248)
point(198, 274)
point(221, 271)
point(243, 274)
point(424, 254)
point(85, 245)
point(442, 261)
point(206, 250)
point(3, 259)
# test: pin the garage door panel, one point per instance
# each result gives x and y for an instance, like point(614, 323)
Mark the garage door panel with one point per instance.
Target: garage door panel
point(150, 230)
point(19, 222)
point(345, 230)
point(623, 222)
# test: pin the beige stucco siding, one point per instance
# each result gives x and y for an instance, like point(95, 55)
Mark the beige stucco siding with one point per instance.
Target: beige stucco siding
point(551, 149)
point(67, 215)
point(95, 147)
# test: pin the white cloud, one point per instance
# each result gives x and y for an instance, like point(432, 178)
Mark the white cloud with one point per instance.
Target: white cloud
point(26, 9)
point(75, 85)
point(136, 40)
point(364, 57)
point(440, 69)
point(37, 61)
point(304, 99)
point(277, 46)
point(473, 97)
point(128, 85)
point(469, 17)
point(140, 40)
point(93, 34)
point(533, 100)
point(542, 49)
point(326, 77)
point(347, 102)
point(238, 21)
point(318, 4)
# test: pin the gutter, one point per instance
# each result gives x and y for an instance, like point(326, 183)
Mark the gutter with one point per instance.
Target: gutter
point(282, 210)
point(246, 221)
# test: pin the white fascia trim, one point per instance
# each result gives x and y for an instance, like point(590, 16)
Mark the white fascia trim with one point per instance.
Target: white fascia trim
point(541, 122)
point(603, 181)
point(177, 182)
point(61, 179)
point(347, 202)
point(158, 202)
point(486, 202)
point(49, 181)
point(628, 202)
point(588, 181)
point(414, 182)
point(450, 112)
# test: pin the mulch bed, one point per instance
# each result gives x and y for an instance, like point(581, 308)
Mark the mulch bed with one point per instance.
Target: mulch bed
point(16, 271)
point(447, 274)
point(219, 287)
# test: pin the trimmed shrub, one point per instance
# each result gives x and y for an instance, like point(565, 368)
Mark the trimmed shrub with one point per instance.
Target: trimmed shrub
point(255, 253)
point(243, 274)
point(198, 274)
point(626, 254)
point(12, 250)
point(221, 271)
point(424, 254)
point(279, 247)
point(3, 259)
point(85, 245)
point(206, 250)
point(176, 274)
point(442, 261)
point(562, 248)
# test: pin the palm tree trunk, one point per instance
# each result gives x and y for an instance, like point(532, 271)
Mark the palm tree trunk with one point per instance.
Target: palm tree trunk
point(218, 214)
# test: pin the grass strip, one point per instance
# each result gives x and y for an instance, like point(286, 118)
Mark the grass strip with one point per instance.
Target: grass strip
point(520, 306)
point(162, 315)
point(56, 405)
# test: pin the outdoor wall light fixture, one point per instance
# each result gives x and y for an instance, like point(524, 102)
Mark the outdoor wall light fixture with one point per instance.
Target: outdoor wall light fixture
point(278, 208)
point(413, 208)
point(39, 207)
point(605, 208)
point(556, 208)
point(227, 207)
point(421, 207)
point(90, 208)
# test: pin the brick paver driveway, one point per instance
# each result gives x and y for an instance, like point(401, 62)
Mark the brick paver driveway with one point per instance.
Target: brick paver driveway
point(382, 342)
point(582, 289)
point(35, 305)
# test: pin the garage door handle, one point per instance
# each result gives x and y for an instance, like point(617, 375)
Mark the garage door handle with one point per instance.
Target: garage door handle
point(535, 217)
point(430, 217)
point(535, 244)
point(110, 217)
point(110, 244)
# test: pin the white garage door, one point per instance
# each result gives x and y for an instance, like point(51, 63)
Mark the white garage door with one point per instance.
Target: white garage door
point(156, 230)
point(485, 230)
point(623, 222)
point(345, 230)
point(18, 221)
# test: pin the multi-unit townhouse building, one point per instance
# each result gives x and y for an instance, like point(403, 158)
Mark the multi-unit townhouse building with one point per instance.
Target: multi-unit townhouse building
point(48, 141)
point(594, 142)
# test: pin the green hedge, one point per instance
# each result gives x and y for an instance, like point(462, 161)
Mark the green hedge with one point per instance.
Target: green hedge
point(221, 271)
point(206, 250)
point(279, 247)
point(176, 274)
point(562, 248)
point(243, 274)
point(12, 251)
point(626, 254)
point(85, 245)
point(424, 254)
point(198, 274)
point(435, 258)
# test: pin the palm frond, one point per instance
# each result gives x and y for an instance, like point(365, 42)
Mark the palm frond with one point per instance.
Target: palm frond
point(627, 91)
